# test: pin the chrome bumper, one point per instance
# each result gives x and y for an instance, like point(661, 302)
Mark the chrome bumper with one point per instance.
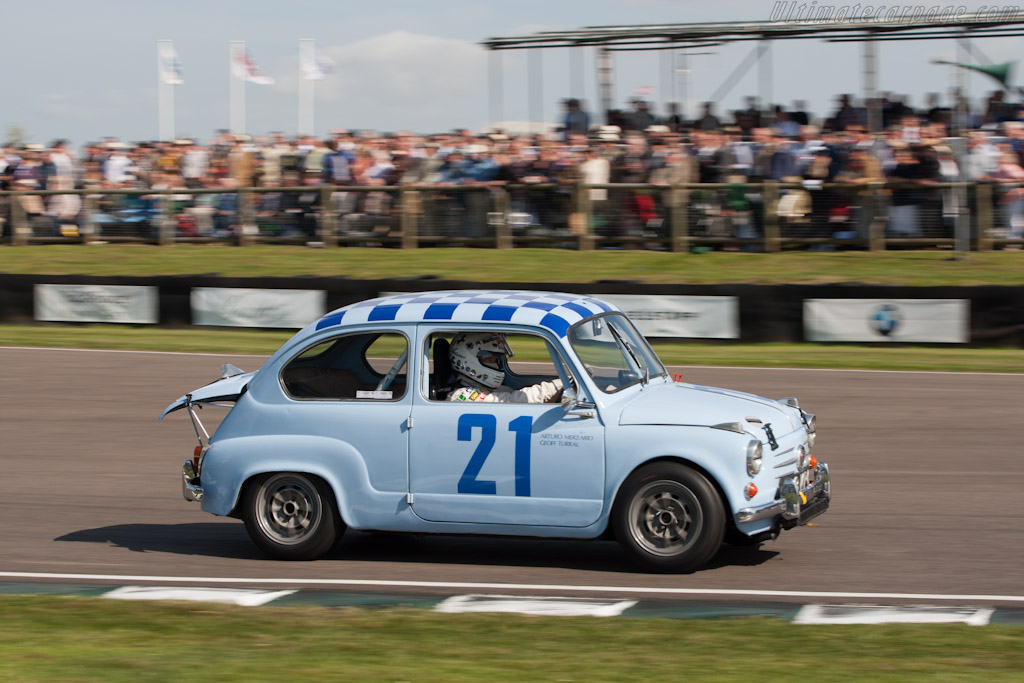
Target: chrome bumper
point(794, 505)
point(190, 488)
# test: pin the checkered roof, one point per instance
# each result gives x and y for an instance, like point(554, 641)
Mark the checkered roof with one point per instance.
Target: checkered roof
point(553, 310)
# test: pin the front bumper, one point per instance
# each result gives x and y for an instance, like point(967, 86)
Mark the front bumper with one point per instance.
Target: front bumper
point(190, 487)
point(794, 506)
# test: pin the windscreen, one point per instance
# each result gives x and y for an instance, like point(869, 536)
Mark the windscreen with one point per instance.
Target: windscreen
point(614, 353)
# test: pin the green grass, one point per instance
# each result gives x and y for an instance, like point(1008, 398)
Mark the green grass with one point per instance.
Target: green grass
point(86, 639)
point(262, 342)
point(525, 266)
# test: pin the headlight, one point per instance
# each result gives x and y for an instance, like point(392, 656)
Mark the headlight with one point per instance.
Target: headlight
point(812, 427)
point(753, 457)
point(803, 458)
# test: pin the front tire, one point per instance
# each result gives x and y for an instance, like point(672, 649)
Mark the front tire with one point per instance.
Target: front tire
point(669, 518)
point(291, 516)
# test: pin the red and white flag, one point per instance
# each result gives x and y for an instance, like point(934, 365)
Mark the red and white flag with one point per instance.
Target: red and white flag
point(242, 66)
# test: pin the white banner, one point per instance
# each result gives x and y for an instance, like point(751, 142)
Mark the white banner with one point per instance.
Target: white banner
point(97, 304)
point(657, 315)
point(887, 320)
point(238, 307)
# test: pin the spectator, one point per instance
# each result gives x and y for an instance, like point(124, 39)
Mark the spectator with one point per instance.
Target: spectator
point(982, 156)
point(1010, 174)
point(707, 120)
point(641, 118)
point(575, 120)
point(117, 166)
point(195, 164)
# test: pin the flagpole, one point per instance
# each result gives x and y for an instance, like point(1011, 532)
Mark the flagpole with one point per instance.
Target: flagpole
point(165, 93)
point(237, 86)
point(307, 97)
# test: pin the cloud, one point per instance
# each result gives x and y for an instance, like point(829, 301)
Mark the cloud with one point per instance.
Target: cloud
point(400, 79)
point(401, 68)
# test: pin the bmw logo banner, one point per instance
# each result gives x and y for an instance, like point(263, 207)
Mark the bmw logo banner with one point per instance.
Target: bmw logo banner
point(887, 320)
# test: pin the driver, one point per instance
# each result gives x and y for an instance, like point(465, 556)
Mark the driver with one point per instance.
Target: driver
point(476, 360)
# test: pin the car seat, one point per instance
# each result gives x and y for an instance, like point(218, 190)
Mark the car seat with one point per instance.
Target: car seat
point(440, 380)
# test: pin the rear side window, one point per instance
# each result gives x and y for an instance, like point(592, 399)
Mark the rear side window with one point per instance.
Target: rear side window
point(360, 367)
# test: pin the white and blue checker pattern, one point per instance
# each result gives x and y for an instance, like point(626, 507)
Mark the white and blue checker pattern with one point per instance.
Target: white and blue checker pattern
point(553, 310)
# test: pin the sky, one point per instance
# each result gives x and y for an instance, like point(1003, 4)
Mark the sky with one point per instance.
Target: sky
point(85, 70)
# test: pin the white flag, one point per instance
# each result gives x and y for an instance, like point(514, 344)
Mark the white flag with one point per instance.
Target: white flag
point(242, 66)
point(316, 65)
point(170, 66)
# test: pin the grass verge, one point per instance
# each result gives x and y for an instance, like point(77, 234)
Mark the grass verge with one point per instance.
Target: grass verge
point(264, 342)
point(84, 639)
point(917, 268)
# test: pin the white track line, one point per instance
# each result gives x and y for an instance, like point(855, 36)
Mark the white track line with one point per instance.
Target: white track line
point(462, 585)
point(696, 367)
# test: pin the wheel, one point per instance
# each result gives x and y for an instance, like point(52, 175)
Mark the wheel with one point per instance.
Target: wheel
point(669, 518)
point(291, 516)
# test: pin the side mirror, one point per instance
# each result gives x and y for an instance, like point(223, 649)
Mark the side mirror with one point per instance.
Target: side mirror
point(572, 404)
point(569, 399)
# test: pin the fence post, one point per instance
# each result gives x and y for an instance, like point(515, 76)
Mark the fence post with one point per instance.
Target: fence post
point(246, 220)
point(876, 227)
point(584, 228)
point(983, 211)
point(328, 225)
point(88, 220)
point(680, 217)
point(20, 229)
point(409, 200)
point(502, 232)
point(769, 204)
point(164, 228)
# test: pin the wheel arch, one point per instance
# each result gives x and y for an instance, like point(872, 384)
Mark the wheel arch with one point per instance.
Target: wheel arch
point(234, 464)
point(254, 478)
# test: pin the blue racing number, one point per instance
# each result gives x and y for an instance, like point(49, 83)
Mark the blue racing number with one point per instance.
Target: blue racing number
point(488, 424)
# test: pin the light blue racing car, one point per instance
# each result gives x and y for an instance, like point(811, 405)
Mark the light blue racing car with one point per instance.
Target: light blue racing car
point(411, 413)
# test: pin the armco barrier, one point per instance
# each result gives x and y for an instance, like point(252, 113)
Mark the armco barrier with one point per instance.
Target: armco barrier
point(766, 313)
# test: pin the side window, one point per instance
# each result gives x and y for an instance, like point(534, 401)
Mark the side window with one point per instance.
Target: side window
point(530, 364)
point(368, 366)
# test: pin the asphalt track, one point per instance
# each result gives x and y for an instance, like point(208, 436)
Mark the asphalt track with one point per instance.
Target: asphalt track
point(927, 503)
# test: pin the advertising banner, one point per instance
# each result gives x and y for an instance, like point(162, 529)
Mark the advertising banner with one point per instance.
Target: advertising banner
point(887, 320)
point(239, 307)
point(96, 304)
point(657, 315)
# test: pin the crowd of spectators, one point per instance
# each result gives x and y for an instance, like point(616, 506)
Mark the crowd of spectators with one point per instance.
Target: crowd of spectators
point(747, 146)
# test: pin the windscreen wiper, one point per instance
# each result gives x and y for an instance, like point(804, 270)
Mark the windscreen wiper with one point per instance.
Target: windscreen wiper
point(632, 353)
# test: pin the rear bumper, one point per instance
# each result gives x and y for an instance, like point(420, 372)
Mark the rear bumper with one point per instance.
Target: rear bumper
point(794, 506)
point(190, 486)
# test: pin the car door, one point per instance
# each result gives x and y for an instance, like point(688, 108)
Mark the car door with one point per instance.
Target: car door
point(503, 463)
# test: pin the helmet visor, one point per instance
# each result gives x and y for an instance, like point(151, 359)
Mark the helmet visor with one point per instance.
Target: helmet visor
point(490, 359)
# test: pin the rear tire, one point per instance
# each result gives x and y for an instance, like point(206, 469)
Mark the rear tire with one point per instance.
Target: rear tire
point(291, 516)
point(669, 518)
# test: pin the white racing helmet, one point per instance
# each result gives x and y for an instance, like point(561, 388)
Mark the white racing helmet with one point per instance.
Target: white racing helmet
point(467, 351)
